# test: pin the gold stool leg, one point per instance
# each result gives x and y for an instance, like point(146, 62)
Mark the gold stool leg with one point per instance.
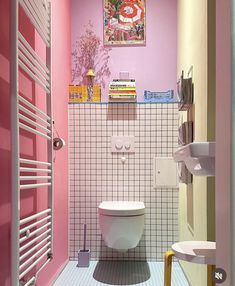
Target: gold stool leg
point(167, 267)
point(210, 270)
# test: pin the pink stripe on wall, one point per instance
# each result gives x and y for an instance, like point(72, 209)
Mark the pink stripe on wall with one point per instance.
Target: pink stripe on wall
point(61, 50)
point(5, 145)
point(223, 136)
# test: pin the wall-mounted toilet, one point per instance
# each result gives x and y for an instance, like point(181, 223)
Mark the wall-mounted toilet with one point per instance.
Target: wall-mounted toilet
point(121, 223)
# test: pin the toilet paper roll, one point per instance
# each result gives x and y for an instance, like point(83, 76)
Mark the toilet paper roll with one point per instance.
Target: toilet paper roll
point(58, 143)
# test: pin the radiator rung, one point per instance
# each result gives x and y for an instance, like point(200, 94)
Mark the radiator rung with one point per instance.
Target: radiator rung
point(35, 21)
point(33, 162)
point(43, 11)
point(33, 170)
point(34, 256)
point(33, 264)
point(22, 239)
point(34, 131)
point(33, 53)
point(30, 113)
point(28, 244)
point(41, 16)
point(34, 60)
point(34, 224)
point(35, 124)
point(31, 64)
point(32, 217)
point(32, 186)
point(32, 249)
point(30, 282)
point(30, 105)
point(33, 76)
point(29, 178)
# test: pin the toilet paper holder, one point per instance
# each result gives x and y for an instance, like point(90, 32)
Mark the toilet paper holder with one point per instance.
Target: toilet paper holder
point(58, 143)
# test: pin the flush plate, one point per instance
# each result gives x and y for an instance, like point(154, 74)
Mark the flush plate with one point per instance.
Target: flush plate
point(123, 144)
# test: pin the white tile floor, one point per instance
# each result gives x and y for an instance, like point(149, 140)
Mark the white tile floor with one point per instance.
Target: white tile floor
point(119, 273)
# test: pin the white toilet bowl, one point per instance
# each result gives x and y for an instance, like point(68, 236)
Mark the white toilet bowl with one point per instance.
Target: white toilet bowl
point(121, 223)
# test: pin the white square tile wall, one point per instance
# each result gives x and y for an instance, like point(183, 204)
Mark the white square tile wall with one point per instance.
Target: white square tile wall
point(96, 174)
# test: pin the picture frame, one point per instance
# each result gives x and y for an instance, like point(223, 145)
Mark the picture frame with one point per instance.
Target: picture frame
point(124, 22)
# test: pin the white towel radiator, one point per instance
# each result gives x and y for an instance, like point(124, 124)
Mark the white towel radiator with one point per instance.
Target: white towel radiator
point(32, 236)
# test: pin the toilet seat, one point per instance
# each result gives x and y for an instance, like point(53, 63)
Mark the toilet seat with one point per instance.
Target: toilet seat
point(121, 208)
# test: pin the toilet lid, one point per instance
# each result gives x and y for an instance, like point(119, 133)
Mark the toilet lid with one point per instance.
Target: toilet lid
point(121, 208)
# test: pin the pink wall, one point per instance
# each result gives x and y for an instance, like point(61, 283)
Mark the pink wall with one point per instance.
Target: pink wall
point(60, 79)
point(153, 66)
point(5, 156)
point(223, 136)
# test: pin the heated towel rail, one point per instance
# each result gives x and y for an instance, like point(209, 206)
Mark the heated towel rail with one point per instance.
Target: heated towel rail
point(32, 235)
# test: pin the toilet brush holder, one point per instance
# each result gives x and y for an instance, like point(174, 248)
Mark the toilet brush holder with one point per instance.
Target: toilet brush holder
point(84, 258)
point(84, 254)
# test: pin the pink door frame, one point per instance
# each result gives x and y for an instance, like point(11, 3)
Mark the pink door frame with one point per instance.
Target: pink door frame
point(223, 139)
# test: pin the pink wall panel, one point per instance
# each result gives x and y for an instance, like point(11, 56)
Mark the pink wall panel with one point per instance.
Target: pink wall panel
point(5, 152)
point(60, 79)
point(223, 136)
point(154, 65)
point(30, 146)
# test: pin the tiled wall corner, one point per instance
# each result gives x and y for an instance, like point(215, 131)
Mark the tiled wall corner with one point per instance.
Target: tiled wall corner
point(96, 174)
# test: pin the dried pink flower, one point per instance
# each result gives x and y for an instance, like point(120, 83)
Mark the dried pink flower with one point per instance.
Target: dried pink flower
point(89, 53)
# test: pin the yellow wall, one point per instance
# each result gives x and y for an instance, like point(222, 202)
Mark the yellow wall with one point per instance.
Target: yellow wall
point(196, 53)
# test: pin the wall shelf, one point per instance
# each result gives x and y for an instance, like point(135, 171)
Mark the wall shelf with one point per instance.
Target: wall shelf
point(122, 102)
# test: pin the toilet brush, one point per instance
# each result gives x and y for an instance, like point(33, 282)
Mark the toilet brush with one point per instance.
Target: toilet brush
point(84, 254)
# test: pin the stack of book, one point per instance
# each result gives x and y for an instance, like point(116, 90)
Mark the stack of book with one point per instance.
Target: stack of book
point(121, 89)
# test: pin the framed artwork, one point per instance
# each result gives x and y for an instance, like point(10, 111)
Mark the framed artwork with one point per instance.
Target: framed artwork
point(124, 22)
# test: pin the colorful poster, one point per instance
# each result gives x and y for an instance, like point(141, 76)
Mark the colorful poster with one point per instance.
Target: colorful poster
point(124, 22)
